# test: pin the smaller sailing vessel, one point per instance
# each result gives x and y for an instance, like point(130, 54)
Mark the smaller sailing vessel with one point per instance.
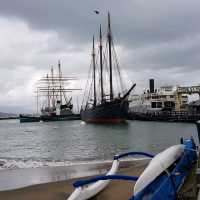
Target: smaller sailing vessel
point(57, 106)
point(102, 104)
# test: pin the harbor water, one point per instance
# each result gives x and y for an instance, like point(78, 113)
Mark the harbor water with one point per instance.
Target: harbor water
point(39, 144)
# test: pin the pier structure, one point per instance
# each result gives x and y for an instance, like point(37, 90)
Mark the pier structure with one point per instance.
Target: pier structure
point(167, 103)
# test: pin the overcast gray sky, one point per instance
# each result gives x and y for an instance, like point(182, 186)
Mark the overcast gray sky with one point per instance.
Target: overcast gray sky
point(155, 39)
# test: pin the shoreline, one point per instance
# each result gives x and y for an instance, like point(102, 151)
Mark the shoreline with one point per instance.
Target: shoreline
point(59, 186)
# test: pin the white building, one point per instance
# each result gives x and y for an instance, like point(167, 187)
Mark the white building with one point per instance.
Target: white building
point(163, 98)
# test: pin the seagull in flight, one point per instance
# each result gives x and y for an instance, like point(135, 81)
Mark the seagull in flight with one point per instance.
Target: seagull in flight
point(96, 11)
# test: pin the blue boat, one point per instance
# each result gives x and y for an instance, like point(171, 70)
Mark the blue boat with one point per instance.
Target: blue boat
point(167, 184)
point(162, 179)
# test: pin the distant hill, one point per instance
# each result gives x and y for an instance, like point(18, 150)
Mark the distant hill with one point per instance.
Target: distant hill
point(15, 110)
point(4, 115)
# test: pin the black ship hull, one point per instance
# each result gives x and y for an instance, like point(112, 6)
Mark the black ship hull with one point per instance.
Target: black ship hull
point(48, 118)
point(107, 112)
point(27, 118)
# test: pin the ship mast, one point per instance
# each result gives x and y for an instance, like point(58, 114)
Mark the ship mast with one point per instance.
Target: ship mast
point(94, 73)
point(59, 76)
point(37, 101)
point(101, 65)
point(110, 56)
point(52, 82)
point(48, 95)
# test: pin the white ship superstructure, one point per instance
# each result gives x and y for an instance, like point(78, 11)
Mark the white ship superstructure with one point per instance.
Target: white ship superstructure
point(164, 98)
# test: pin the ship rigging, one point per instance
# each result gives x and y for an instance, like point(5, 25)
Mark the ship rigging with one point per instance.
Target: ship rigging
point(102, 103)
point(52, 89)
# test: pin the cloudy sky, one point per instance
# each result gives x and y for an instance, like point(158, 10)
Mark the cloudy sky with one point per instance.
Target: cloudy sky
point(155, 39)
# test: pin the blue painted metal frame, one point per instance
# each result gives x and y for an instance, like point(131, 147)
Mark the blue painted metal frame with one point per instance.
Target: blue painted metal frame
point(165, 186)
point(81, 183)
point(133, 153)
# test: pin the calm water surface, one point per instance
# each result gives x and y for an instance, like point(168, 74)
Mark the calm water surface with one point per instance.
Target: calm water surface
point(62, 143)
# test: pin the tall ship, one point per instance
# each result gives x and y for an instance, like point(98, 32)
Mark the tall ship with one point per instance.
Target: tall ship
point(54, 95)
point(106, 100)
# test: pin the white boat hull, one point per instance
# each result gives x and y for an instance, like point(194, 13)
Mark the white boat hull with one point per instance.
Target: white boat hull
point(158, 164)
point(86, 192)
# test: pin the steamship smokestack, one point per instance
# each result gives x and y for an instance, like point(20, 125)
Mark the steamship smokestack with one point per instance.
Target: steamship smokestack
point(151, 85)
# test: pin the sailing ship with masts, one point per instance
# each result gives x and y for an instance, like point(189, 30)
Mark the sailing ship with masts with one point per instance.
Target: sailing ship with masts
point(57, 105)
point(101, 104)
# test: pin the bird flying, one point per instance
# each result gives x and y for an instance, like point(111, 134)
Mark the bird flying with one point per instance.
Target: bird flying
point(96, 11)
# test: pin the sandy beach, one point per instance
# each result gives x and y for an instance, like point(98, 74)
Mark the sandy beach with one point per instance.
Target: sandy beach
point(60, 190)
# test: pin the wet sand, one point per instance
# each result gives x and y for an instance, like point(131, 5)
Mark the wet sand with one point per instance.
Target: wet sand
point(61, 189)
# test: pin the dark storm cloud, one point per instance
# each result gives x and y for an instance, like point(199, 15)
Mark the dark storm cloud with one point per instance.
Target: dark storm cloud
point(68, 18)
point(182, 53)
point(159, 39)
point(136, 22)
